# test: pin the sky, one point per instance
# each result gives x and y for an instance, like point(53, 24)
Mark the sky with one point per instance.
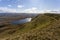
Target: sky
point(29, 6)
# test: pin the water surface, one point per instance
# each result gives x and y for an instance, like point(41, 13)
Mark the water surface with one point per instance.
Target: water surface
point(22, 21)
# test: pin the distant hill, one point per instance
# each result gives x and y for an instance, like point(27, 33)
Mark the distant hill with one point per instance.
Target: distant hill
point(42, 27)
point(5, 18)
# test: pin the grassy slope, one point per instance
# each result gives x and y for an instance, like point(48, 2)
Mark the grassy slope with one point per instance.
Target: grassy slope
point(42, 27)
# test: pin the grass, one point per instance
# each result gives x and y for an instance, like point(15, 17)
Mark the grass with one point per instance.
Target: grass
point(42, 27)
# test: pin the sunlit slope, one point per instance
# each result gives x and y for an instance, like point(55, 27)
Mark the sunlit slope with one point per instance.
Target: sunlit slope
point(49, 32)
point(40, 21)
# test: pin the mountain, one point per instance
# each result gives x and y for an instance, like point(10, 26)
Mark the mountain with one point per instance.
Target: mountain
point(42, 27)
point(51, 11)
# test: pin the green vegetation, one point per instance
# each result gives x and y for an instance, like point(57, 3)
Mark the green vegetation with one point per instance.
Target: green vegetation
point(42, 27)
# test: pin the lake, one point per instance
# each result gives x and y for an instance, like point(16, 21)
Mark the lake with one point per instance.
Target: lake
point(21, 21)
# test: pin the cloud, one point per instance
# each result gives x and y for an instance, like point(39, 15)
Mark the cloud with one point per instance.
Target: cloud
point(52, 11)
point(20, 6)
point(31, 10)
point(9, 10)
point(36, 10)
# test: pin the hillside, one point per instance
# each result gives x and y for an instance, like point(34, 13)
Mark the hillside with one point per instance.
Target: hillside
point(42, 27)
